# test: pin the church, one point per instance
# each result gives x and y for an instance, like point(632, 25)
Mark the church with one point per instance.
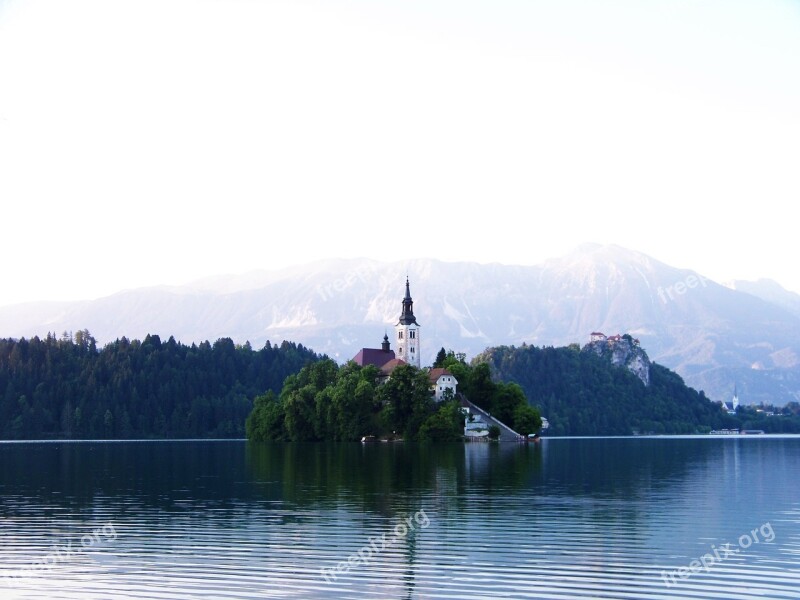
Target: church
point(730, 407)
point(407, 340)
point(406, 334)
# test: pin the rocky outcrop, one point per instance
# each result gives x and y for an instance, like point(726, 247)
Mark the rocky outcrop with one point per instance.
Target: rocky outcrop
point(623, 352)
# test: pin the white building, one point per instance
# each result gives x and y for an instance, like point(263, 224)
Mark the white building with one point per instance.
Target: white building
point(407, 332)
point(442, 380)
point(731, 406)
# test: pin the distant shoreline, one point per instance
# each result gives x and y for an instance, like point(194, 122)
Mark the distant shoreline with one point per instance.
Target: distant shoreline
point(698, 436)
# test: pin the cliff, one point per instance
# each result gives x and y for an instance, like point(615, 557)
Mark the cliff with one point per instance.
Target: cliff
point(623, 351)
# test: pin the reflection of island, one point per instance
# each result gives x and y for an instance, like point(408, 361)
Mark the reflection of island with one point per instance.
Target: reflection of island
point(391, 478)
point(385, 478)
point(381, 484)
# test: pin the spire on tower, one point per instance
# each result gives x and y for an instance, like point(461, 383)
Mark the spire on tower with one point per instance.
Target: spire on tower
point(407, 316)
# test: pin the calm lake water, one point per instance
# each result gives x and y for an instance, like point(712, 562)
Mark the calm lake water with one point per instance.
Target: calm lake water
point(568, 518)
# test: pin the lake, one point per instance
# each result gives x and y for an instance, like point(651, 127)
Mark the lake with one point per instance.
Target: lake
point(661, 517)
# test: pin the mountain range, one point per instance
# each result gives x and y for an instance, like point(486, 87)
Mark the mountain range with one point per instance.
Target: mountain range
point(717, 337)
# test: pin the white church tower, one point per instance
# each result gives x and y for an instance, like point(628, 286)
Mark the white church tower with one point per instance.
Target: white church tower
point(408, 332)
point(735, 401)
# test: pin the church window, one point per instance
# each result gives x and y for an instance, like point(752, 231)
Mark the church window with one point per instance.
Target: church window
point(399, 335)
point(411, 334)
point(412, 349)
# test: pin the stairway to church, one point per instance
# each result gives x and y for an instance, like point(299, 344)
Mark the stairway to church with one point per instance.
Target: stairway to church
point(506, 433)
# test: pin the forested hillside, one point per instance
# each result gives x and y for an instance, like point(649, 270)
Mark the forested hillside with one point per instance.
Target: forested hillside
point(582, 393)
point(67, 387)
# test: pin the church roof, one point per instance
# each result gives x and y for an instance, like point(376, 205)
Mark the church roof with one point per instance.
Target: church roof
point(373, 356)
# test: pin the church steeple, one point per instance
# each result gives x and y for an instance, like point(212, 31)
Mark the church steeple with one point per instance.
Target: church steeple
point(407, 316)
point(407, 330)
point(385, 344)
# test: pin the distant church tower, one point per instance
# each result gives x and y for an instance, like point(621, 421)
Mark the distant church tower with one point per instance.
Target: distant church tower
point(408, 332)
point(735, 401)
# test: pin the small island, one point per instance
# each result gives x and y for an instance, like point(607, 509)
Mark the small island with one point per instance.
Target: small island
point(381, 394)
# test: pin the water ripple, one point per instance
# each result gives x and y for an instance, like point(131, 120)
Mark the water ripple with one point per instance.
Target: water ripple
point(538, 537)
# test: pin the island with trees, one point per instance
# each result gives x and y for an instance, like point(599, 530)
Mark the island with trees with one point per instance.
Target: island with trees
point(325, 401)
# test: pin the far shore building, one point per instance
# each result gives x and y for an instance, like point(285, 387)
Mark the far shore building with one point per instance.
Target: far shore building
point(730, 407)
point(597, 336)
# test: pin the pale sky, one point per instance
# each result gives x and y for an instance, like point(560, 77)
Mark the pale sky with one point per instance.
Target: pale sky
point(158, 141)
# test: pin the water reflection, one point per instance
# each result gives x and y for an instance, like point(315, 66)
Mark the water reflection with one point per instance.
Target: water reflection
point(390, 477)
point(565, 518)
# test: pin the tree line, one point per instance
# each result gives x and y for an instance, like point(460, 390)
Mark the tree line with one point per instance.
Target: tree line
point(582, 393)
point(67, 387)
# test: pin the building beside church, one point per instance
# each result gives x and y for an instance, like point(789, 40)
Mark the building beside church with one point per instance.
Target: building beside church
point(442, 380)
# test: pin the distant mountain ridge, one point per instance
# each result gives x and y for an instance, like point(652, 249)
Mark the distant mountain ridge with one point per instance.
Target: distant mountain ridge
point(714, 336)
point(771, 291)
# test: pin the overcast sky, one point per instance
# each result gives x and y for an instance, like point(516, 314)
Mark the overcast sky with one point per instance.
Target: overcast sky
point(147, 142)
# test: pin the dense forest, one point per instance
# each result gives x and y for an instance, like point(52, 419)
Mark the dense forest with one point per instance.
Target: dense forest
point(581, 393)
point(327, 402)
point(67, 387)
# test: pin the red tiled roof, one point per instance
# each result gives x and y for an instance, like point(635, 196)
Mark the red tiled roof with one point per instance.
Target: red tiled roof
point(434, 374)
point(390, 366)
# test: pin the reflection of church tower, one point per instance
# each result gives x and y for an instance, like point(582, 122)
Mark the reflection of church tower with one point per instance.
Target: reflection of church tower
point(408, 332)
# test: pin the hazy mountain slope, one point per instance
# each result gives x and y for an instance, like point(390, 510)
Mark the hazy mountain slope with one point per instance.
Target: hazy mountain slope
point(713, 336)
point(771, 291)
